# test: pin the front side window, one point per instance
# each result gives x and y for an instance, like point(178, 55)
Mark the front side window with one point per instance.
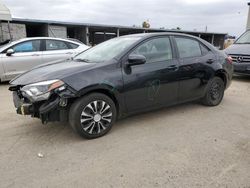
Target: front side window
point(55, 45)
point(188, 47)
point(29, 46)
point(155, 50)
point(244, 39)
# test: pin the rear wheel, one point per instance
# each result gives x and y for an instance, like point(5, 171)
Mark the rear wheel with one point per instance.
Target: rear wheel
point(93, 115)
point(214, 93)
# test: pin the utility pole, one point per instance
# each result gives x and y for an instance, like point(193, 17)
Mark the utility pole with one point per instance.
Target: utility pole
point(248, 18)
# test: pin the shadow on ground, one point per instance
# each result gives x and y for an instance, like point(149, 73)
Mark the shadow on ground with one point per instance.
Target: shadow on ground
point(242, 78)
point(57, 132)
point(4, 83)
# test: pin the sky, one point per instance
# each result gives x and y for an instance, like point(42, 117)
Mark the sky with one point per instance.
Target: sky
point(225, 16)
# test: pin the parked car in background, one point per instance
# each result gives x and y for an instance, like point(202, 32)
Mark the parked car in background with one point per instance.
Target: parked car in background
point(240, 53)
point(22, 55)
point(123, 76)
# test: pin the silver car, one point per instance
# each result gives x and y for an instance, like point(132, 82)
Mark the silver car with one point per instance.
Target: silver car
point(21, 55)
point(240, 53)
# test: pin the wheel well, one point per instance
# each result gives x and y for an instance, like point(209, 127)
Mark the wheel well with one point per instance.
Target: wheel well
point(222, 76)
point(108, 93)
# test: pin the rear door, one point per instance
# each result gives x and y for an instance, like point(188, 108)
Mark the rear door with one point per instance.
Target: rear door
point(56, 50)
point(195, 67)
point(26, 55)
point(154, 83)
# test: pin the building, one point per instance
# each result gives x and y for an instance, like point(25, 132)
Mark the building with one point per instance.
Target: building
point(90, 34)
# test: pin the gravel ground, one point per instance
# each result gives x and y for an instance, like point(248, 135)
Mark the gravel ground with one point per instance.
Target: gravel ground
point(183, 146)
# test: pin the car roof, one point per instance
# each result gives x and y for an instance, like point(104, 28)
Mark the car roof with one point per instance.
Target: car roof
point(146, 35)
point(39, 38)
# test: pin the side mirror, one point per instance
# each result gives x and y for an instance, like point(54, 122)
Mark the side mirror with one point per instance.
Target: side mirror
point(136, 60)
point(10, 52)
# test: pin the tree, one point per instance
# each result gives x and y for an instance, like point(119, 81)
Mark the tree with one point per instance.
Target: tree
point(145, 24)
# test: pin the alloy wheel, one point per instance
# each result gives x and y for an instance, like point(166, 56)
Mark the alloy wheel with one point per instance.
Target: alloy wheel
point(96, 117)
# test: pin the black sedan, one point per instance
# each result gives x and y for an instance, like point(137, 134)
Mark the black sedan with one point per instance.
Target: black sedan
point(123, 76)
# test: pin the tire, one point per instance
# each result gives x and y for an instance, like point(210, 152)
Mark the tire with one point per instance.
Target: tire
point(214, 93)
point(93, 115)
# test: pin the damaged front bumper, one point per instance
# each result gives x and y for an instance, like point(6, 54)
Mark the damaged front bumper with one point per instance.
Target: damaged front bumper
point(56, 108)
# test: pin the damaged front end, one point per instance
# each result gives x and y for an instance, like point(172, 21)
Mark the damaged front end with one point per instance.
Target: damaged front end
point(48, 100)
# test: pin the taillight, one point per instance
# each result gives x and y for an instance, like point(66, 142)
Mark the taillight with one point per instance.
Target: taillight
point(229, 60)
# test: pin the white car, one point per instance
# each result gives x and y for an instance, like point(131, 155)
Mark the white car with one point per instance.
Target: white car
point(22, 55)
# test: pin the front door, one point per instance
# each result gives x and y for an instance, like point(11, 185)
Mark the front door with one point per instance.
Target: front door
point(154, 83)
point(26, 55)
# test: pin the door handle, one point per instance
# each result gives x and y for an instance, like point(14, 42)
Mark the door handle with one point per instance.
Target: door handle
point(35, 55)
point(210, 61)
point(172, 67)
point(69, 53)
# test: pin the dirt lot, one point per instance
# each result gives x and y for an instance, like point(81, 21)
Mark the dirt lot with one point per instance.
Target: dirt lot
point(183, 146)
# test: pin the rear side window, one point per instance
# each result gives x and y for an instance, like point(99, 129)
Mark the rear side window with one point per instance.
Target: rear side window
point(155, 50)
point(29, 46)
point(188, 47)
point(72, 45)
point(56, 45)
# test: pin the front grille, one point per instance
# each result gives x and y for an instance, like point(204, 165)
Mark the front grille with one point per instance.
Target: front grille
point(237, 58)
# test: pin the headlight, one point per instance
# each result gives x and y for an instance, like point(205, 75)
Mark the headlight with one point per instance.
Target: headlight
point(41, 90)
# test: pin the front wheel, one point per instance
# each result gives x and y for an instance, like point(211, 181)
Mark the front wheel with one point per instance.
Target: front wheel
point(214, 93)
point(92, 116)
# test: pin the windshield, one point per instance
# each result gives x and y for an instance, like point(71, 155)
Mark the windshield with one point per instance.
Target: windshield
point(244, 39)
point(106, 50)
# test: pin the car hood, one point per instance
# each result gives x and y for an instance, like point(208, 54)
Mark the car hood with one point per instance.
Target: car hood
point(241, 49)
point(51, 71)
